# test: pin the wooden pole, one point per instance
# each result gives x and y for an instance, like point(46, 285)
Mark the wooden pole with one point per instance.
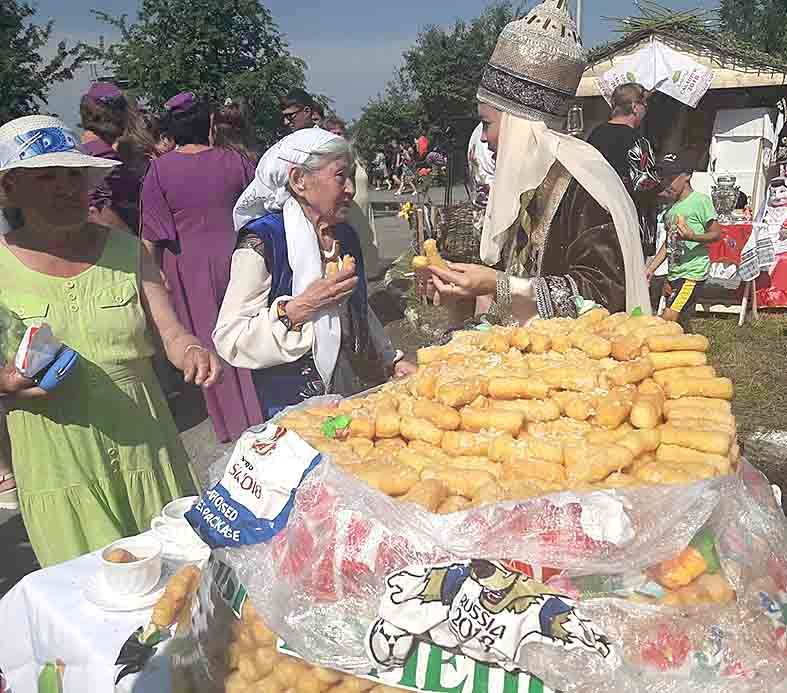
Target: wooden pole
point(419, 239)
point(755, 201)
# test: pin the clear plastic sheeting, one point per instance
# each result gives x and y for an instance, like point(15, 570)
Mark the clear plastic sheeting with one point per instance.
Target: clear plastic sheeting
point(686, 584)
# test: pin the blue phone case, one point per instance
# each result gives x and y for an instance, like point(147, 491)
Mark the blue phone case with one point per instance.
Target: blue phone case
point(58, 370)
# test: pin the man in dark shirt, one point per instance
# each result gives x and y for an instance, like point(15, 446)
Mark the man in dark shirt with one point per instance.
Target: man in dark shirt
point(631, 155)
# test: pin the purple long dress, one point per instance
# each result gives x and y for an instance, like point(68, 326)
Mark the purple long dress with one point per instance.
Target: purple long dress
point(120, 189)
point(187, 202)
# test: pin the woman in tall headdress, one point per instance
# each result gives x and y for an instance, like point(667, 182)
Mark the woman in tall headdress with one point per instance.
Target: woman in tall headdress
point(560, 231)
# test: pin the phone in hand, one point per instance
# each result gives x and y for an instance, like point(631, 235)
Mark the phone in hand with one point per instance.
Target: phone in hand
point(57, 371)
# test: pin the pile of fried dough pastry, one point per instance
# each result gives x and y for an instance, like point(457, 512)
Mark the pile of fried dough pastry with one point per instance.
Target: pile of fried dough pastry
point(603, 401)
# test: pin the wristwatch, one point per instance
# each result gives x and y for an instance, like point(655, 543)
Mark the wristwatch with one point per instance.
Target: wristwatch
point(284, 319)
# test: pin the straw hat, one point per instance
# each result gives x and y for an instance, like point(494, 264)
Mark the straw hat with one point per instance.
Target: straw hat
point(43, 142)
point(535, 69)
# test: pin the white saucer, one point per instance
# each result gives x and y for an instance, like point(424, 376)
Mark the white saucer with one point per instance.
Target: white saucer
point(98, 593)
point(191, 553)
point(194, 550)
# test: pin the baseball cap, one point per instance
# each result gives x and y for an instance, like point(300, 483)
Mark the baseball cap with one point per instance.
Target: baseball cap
point(676, 163)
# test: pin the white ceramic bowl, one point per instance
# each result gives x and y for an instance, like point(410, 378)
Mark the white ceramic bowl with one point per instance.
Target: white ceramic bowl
point(139, 577)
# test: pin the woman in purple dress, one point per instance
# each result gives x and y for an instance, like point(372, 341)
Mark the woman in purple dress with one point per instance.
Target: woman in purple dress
point(186, 207)
point(114, 129)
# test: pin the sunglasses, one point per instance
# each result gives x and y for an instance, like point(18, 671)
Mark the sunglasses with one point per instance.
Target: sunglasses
point(289, 117)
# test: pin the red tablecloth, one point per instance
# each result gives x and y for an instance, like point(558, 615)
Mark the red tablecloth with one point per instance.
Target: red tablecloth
point(728, 248)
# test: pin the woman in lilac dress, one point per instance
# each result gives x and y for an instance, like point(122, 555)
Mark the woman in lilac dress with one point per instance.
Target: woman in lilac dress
point(114, 129)
point(186, 208)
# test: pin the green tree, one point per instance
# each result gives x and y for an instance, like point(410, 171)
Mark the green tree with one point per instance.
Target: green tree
point(26, 76)
point(445, 65)
point(393, 115)
point(215, 48)
point(763, 23)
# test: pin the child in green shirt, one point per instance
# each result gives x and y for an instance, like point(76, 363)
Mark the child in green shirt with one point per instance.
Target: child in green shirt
point(691, 226)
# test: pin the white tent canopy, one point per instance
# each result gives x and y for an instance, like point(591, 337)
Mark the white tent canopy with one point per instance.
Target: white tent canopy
point(742, 145)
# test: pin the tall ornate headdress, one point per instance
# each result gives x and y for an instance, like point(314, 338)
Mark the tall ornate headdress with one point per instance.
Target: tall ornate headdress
point(536, 66)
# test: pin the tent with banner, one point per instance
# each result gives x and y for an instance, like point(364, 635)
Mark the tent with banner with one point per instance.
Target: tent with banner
point(722, 101)
point(711, 95)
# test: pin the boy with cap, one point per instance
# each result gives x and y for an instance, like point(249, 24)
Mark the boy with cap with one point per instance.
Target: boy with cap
point(691, 226)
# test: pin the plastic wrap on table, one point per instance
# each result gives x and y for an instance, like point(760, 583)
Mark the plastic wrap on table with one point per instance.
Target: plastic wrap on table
point(652, 588)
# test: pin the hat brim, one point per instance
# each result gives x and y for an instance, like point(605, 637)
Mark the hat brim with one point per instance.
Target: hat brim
point(97, 167)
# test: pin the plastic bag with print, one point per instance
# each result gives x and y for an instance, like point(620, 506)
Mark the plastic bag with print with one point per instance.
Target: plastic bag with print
point(657, 588)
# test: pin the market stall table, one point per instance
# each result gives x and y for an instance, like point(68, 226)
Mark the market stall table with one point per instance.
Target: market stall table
point(744, 252)
point(46, 617)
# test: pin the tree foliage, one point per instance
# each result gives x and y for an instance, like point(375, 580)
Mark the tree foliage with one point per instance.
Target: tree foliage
point(763, 23)
point(216, 48)
point(393, 115)
point(445, 65)
point(436, 88)
point(25, 75)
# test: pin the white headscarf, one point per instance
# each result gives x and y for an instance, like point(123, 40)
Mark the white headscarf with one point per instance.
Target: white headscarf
point(268, 192)
point(527, 150)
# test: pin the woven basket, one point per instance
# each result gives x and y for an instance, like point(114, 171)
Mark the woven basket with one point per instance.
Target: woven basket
point(458, 238)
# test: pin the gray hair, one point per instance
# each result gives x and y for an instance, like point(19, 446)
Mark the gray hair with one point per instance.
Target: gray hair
point(320, 157)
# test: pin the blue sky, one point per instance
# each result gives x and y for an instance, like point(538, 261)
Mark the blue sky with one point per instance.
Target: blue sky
point(351, 47)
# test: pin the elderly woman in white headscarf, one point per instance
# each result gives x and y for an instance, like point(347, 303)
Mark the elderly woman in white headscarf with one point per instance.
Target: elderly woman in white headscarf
point(296, 311)
point(561, 233)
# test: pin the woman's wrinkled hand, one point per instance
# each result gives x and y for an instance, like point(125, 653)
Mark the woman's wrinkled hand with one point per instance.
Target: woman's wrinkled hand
point(202, 367)
point(463, 281)
point(321, 294)
point(14, 384)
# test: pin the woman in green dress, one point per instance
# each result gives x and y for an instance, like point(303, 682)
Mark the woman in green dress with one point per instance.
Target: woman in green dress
point(96, 458)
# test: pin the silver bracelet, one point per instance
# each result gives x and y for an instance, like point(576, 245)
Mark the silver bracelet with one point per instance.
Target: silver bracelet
point(193, 346)
point(503, 292)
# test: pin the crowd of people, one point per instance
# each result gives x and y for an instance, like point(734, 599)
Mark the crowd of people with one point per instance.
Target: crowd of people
point(166, 235)
point(398, 164)
point(130, 242)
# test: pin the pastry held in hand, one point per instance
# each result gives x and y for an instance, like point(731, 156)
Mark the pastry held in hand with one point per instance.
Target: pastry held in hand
point(344, 264)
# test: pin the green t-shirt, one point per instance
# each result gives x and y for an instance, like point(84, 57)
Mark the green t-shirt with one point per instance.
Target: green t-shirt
point(689, 259)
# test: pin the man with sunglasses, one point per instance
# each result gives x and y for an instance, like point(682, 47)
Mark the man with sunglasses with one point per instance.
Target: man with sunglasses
point(630, 153)
point(297, 108)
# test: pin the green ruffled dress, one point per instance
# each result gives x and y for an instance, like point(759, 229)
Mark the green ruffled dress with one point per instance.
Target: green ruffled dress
point(97, 459)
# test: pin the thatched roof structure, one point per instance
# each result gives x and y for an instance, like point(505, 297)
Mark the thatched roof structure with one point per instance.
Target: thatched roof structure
point(696, 33)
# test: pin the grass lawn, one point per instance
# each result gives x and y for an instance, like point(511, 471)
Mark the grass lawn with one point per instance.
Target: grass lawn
point(755, 357)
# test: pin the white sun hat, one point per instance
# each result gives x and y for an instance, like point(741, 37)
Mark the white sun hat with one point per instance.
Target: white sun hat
point(44, 142)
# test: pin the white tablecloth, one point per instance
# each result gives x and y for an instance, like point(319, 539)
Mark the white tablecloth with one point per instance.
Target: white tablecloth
point(45, 617)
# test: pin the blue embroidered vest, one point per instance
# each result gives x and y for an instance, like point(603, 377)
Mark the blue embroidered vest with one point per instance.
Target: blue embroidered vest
point(290, 383)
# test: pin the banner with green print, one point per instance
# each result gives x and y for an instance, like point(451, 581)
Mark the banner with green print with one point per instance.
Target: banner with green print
point(431, 669)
